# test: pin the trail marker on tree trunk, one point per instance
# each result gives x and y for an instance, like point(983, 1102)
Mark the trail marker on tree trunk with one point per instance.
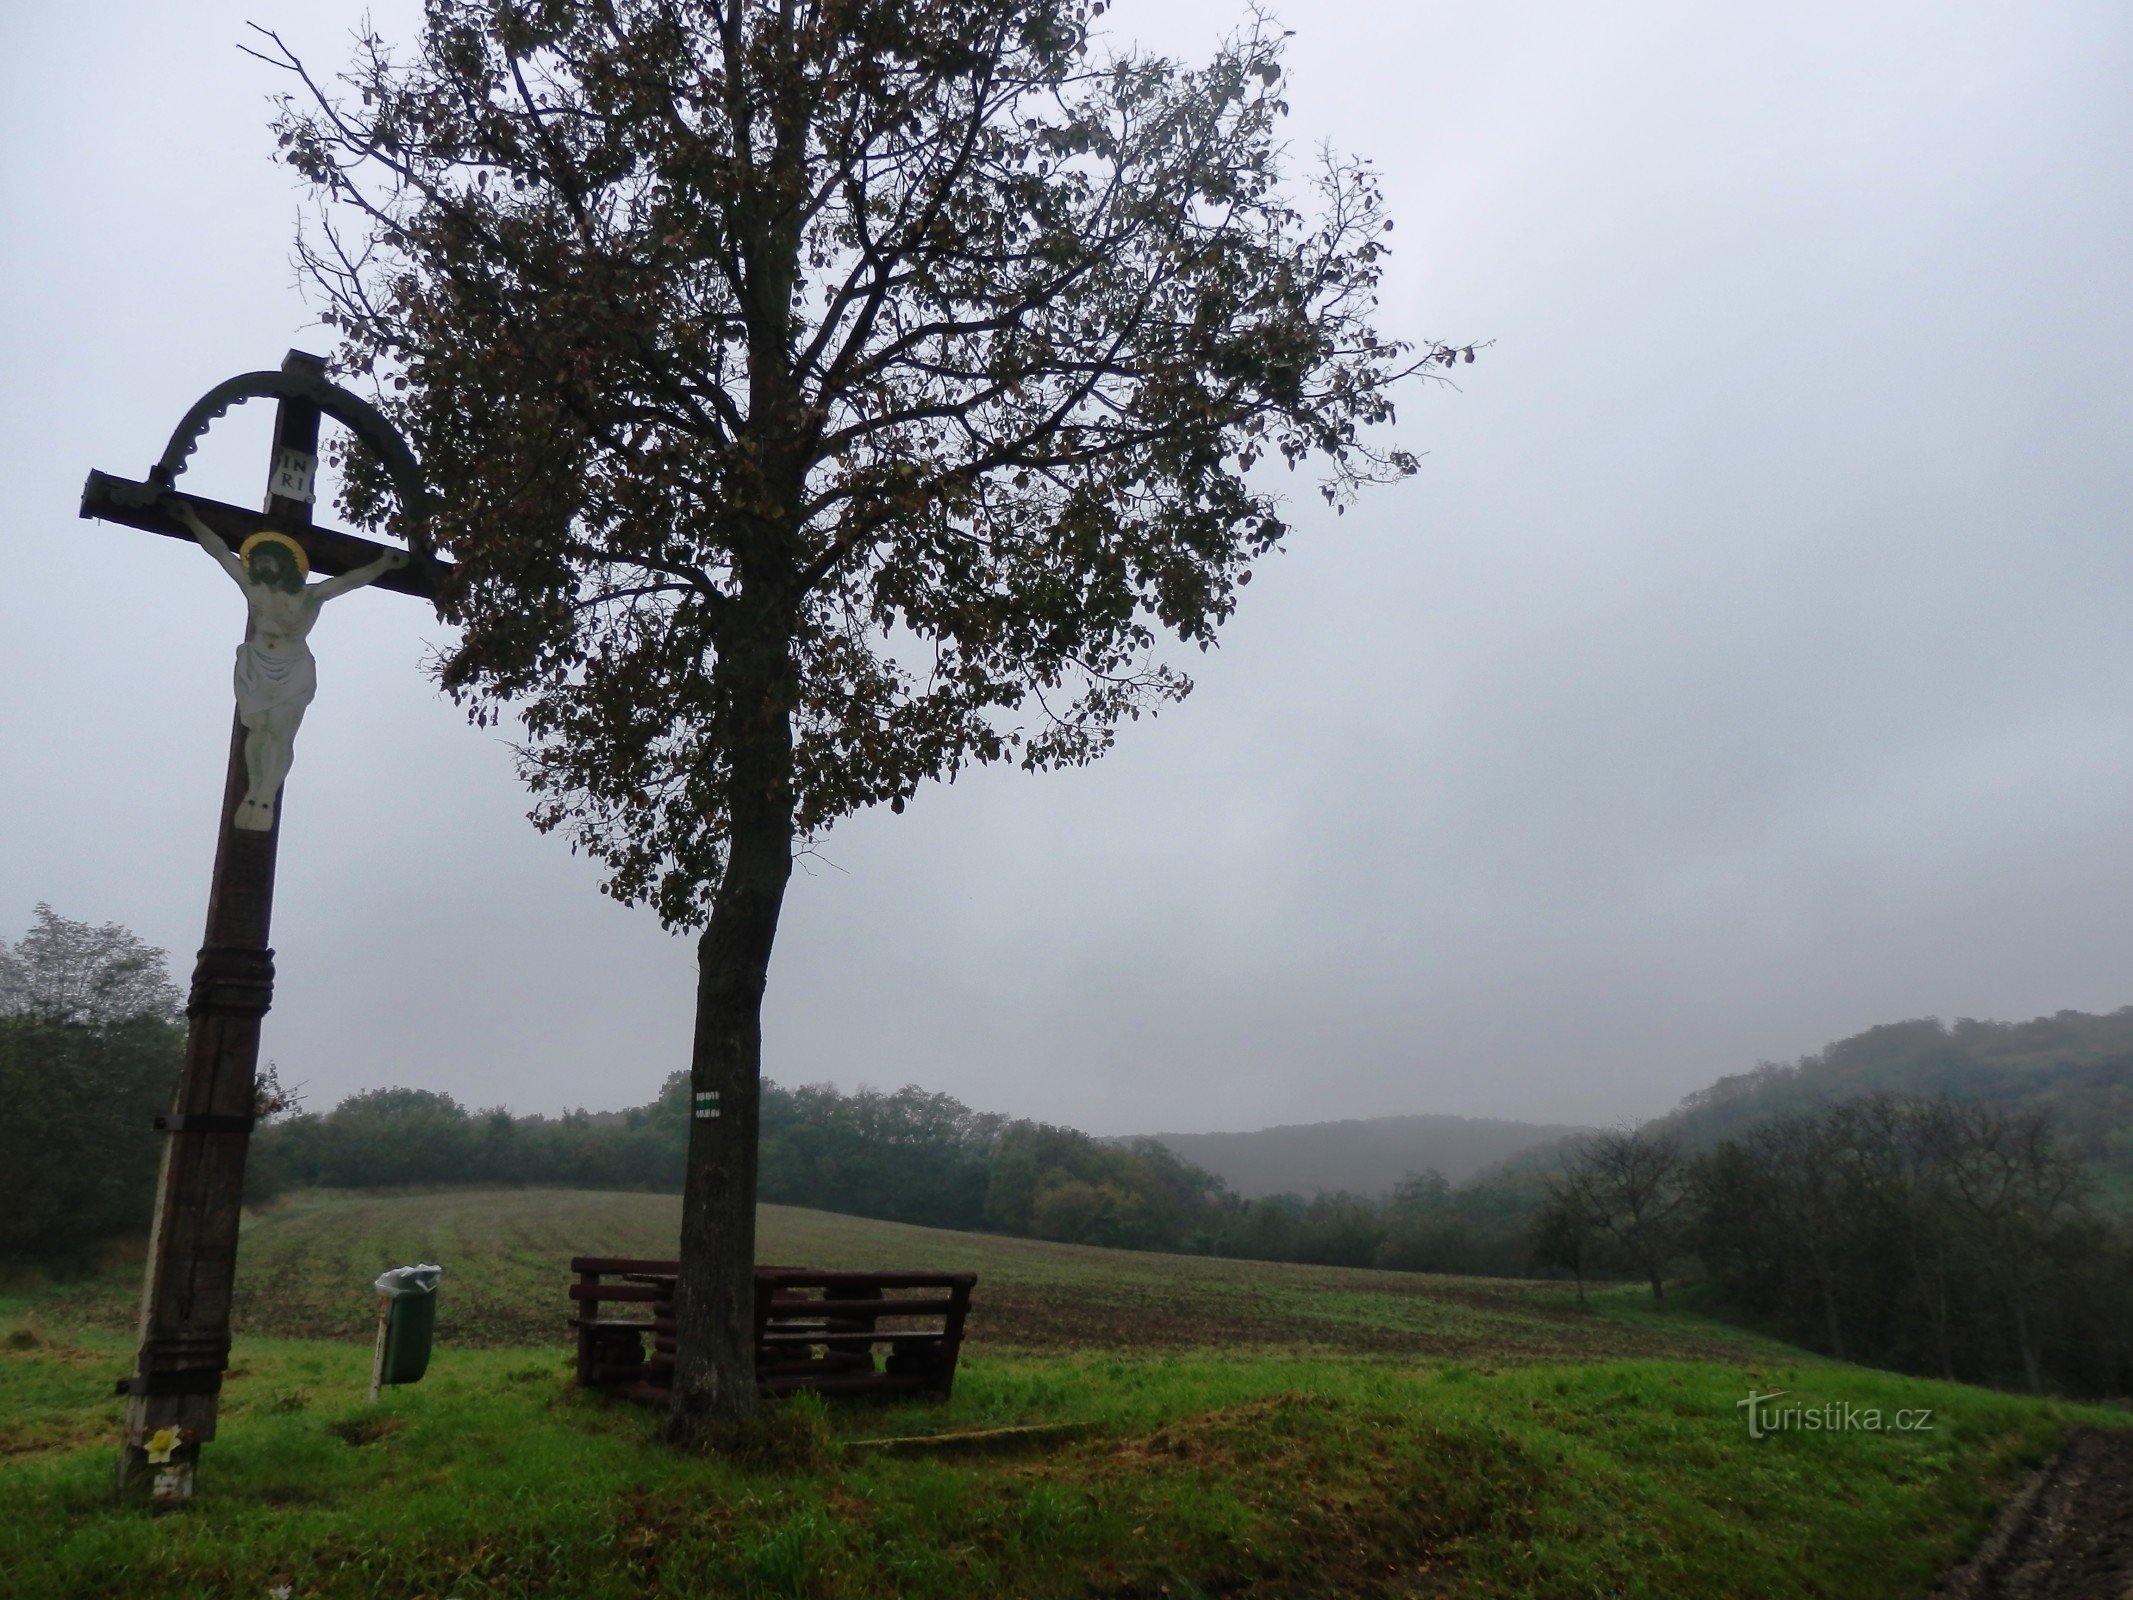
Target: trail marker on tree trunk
point(192, 1256)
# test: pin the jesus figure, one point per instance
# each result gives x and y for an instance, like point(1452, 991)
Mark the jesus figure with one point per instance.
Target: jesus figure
point(276, 675)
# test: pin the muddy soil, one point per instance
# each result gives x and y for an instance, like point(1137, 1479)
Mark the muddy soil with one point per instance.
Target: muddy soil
point(2067, 1536)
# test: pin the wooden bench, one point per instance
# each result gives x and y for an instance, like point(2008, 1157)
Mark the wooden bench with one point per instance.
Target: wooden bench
point(837, 1332)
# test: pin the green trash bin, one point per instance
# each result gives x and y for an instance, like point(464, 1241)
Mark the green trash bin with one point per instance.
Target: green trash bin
point(407, 1317)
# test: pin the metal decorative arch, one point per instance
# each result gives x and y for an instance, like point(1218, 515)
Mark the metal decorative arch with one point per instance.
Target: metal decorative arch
point(359, 416)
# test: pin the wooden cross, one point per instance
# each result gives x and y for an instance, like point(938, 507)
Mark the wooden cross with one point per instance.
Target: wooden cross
point(192, 1257)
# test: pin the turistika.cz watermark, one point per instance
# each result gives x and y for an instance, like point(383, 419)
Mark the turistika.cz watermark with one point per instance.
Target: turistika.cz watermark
point(1766, 1417)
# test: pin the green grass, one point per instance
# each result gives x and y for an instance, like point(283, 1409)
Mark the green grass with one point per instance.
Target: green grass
point(1430, 1436)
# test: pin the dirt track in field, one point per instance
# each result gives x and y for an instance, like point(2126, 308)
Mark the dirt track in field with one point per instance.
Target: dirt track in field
point(2067, 1536)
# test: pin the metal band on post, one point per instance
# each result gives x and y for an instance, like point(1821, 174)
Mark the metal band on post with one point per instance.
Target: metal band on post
point(232, 980)
point(204, 1122)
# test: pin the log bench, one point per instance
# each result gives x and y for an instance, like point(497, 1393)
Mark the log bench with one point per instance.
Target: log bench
point(835, 1332)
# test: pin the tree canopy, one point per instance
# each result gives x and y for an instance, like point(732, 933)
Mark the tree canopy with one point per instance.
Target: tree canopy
point(924, 326)
point(77, 972)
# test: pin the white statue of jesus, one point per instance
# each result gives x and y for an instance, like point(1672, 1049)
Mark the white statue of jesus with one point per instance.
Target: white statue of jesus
point(276, 675)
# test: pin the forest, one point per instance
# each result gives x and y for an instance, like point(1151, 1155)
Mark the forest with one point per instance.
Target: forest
point(1960, 1240)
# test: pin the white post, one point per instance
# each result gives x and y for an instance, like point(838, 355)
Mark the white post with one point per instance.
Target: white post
point(377, 1359)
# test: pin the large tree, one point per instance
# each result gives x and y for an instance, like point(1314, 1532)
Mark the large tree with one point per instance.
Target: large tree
point(822, 396)
point(1630, 1189)
point(73, 972)
point(90, 1046)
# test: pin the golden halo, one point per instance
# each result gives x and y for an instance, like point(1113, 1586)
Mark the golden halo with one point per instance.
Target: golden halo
point(269, 536)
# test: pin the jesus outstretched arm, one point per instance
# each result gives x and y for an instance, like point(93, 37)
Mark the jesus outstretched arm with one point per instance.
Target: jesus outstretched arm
point(356, 577)
point(210, 541)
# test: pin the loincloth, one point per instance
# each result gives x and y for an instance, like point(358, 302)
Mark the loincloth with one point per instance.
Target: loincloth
point(273, 683)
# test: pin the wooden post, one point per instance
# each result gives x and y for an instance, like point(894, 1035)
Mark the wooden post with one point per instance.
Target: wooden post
point(192, 1254)
point(584, 1310)
point(377, 1355)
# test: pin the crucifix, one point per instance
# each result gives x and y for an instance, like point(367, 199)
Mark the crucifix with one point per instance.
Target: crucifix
point(192, 1257)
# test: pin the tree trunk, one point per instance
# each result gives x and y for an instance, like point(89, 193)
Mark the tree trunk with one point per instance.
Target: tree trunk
point(1825, 1286)
point(1929, 1268)
point(2025, 1341)
point(714, 1299)
point(1942, 1348)
point(758, 680)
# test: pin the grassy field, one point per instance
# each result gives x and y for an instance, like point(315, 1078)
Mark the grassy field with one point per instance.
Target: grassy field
point(305, 1269)
point(1370, 1434)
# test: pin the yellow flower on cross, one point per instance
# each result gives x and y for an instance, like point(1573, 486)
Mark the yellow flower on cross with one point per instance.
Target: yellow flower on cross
point(161, 1443)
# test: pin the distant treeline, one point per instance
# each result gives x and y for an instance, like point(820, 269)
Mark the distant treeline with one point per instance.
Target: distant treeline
point(906, 1156)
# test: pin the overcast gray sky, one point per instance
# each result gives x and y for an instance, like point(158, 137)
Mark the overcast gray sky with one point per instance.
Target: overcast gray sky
point(1748, 664)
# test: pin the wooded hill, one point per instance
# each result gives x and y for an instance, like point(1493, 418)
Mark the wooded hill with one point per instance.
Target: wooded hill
point(2075, 1066)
